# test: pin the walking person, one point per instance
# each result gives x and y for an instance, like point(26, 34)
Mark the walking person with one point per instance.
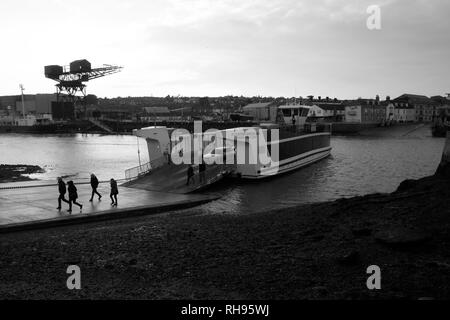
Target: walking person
point(94, 185)
point(73, 196)
point(62, 192)
point(190, 174)
point(114, 192)
point(202, 171)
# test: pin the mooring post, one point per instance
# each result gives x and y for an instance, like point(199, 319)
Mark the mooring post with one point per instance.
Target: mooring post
point(444, 166)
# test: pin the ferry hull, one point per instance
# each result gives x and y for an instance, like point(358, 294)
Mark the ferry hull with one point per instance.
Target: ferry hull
point(292, 166)
point(294, 153)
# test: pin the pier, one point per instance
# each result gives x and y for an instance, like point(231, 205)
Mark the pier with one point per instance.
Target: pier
point(35, 207)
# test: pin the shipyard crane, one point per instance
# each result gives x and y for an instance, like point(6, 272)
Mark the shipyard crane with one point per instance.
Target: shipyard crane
point(71, 79)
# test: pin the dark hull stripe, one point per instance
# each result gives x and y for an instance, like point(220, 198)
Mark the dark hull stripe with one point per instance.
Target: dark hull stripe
point(283, 168)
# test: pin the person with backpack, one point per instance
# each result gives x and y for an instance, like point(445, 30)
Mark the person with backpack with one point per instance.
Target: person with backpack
point(202, 172)
point(73, 196)
point(94, 185)
point(114, 192)
point(62, 192)
point(190, 175)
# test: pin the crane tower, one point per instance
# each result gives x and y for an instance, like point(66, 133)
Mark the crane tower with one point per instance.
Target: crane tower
point(71, 80)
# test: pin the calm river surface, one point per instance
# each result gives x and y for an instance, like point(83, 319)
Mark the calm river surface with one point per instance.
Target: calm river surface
point(376, 161)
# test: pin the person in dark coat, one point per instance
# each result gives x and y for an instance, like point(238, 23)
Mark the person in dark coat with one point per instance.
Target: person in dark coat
point(94, 185)
point(190, 174)
point(62, 192)
point(114, 192)
point(202, 172)
point(73, 195)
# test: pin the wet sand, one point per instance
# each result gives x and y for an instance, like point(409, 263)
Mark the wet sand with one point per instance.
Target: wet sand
point(316, 251)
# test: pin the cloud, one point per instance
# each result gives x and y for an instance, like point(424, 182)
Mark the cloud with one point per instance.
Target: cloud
point(212, 47)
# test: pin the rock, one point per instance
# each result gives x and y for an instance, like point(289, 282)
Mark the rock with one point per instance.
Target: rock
point(444, 167)
point(401, 238)
point(318, 238)
point(443, 171)
point(319, 290)
point(438, 264)
point(349, 258)
point(406, 185)
point(363, 232)
point(109, 266)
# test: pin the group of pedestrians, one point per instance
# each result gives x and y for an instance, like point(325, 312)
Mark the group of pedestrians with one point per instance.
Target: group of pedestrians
point(201, 172)
point(73, 194)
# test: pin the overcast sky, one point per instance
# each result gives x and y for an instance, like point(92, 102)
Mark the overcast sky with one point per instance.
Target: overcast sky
point(219, 47)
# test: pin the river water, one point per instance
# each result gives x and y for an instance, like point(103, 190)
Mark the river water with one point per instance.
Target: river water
point(374, 161)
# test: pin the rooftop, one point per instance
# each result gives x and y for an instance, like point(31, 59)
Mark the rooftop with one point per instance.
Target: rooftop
point(257, 105)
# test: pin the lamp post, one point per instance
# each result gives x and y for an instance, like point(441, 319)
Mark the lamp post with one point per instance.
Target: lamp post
point(23, 103)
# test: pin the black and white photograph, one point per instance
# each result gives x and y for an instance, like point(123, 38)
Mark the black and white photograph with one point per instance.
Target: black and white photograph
point(224, 154)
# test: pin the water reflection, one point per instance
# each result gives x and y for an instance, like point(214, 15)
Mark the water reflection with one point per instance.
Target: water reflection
point(73, 155)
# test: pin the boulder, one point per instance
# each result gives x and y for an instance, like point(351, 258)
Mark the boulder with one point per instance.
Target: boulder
point(406, 185)
point(349, 258)
point(401, 237)
point(361, 232)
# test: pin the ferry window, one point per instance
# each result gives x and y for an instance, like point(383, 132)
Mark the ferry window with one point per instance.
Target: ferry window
point(287, 112)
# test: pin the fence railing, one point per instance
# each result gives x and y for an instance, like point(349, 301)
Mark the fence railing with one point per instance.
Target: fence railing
point(141, 170)
point(135, 172)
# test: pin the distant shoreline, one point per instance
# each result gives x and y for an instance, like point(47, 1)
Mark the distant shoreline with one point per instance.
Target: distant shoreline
point(84, 127)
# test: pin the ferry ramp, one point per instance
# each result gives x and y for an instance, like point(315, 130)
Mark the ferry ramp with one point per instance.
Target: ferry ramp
point(34, 207)
point(172, 178)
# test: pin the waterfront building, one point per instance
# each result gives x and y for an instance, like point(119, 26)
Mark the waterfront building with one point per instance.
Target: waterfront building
point(28, 121)
point(404, 113)
point(426, 110)
point(333, 111)
point(441, 102)
point(370, 111)
point(316, 112)
point(265, 111)
point(156, 114)
point(390, 110)
point(7, 120)
point(34, 104)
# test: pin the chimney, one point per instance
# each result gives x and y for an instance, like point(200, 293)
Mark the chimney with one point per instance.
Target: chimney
point(388, 98)
point(377, 98)
point(320, 98)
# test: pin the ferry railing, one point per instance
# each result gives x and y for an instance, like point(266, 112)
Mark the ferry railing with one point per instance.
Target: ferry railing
point(141, 170)
point(312, 127)
point(309, 127)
